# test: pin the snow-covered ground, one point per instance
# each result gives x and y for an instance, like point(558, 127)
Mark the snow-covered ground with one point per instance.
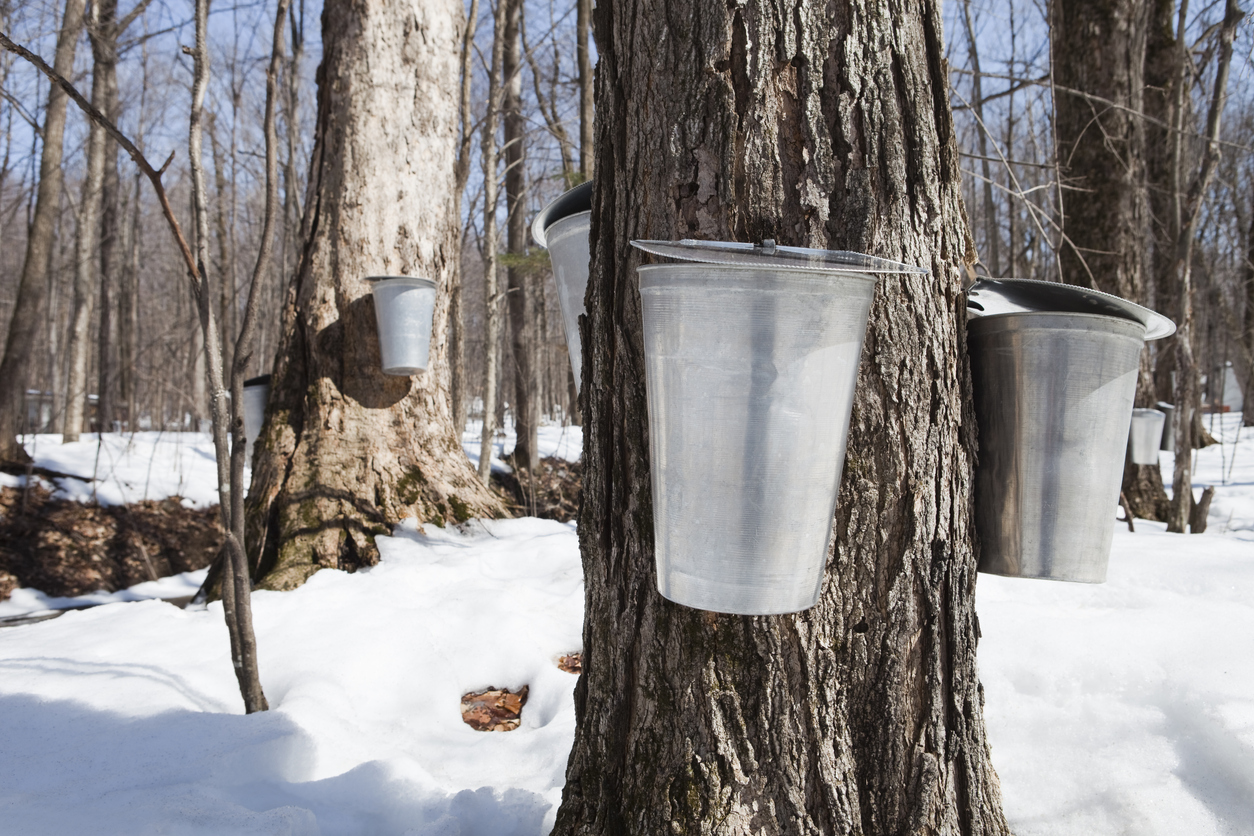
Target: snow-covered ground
point(1124, 708)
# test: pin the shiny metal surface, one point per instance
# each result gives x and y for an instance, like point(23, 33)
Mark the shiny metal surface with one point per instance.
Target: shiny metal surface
point(750, 375)
point(570, 252)
point(989, 297)
point(403, 306)
point(256, 395)
point(570, 202)
point(1146, 435)
point(1053, 400)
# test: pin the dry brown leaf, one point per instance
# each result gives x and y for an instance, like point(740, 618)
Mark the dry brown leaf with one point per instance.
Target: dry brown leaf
point(495, 709)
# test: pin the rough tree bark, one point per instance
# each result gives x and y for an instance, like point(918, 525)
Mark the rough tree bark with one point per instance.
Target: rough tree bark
point(1099, 49)
point(32, 290)
point(522, 337)
point(347, 452)
point(104, 44)
point(820, 124)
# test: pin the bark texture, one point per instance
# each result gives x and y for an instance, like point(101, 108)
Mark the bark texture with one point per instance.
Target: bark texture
point(822, 124)
point(1099, 49)
point(346, 452)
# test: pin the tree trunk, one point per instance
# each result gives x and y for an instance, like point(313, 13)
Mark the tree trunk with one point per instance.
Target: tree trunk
point(347, 452)
point(821, 124)
point(32, 290)
point(490, 157)
point(85, 263)
point(1187, 394)
point(583, 28)
point(992, 236)
point(1099, 49)
point(1245, 342)
point(105, 51)
point(522, 336)
point(456, 313)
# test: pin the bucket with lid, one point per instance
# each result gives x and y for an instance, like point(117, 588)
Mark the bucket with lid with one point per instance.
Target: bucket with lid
point(751, 356)
point(1054, 371)
point(562, 228)
point(256, 396)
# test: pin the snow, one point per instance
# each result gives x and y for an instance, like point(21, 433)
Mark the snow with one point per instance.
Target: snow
point(1122, 708)
point(564, 442)
point(128, 467)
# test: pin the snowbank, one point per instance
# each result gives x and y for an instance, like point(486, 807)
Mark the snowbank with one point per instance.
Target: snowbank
point(126, 718)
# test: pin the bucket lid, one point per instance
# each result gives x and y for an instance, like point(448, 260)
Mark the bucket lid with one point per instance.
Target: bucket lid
point(262, 380)
point(571, 202)
point(991, 297)
point(421, 280)
point(767, 254)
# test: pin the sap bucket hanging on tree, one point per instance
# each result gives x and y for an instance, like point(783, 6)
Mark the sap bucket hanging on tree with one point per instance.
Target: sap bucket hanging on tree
point(1169, 435)
point(403, 306)
point(1054, 370)
point(562, 228)
point(751, 356)
point(256, 396)
point(1146, 435)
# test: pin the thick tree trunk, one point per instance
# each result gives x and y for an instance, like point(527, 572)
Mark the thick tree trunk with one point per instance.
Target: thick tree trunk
point(822, 124)
point(32, 290)
point(1099, 49)
point(522, 336)
point(346, 451)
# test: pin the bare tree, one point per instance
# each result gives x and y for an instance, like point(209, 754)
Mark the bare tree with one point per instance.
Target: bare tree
point(347, 452)
point(28, 311)
point(490, 157)
point(1187, 389)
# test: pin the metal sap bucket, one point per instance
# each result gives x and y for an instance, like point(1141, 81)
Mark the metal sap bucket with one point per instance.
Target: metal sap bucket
point(256, 396)
point(1146, 435)
point(403, 306)
point(1054, 372)
point(1169, 433)
point(562, 228)
point(751, 356)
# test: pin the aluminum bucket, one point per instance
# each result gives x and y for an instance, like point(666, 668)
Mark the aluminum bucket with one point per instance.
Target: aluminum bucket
point(1053, 394)
point(403, 306)
point(563, 227)
point(1169, 433)
point(256, 396)
point(1146, 435)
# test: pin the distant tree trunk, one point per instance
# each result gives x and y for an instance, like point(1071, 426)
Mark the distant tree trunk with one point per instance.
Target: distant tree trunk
point(347, 452)
point(1187, 386)
point(32, 290)
point(105, 49)
point(1245, 345)
point(461, 174)
point(1161, 69)
point(1099, 50)
point(992, 236)
point(522, 337)
point(821, 124)
point(85, 259)
point(490, 156)
point(583, 27)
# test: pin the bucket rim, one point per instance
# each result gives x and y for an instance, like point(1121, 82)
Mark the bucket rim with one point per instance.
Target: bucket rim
point(570, 202)
point(1004, 296)
point(994, 319)
point(420, 281)
point(771, 256)
point(260, 380)
point(810, 272)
